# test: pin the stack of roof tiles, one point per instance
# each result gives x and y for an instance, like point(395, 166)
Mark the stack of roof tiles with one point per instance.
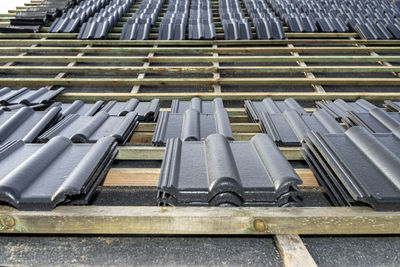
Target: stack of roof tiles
point(25, 124)
point(357, 167)
point(73, 18)
point(287, 123)
point(267, 24)
point(339, 108)
point(216, 172)
point(40, 176)
point(98, 26)
point(139, 25)
point(293, 15)
point(192, 122)
point(89, 129)
point(253, 108)
point(201, 22)
point(203, 165)
point(34, 17)
point(235, 24)
point(392, 106)
point(15, 99)
point(87, 123)
point(372, 19)
point(363, 113)
point(174, 23)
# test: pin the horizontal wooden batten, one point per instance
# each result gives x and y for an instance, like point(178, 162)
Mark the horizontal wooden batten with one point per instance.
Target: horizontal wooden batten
point(306, 96)
point(185, 69)
point(6, 39)
point(150, 177)
point(236, 127)
point(199, 220)
point(197, 81)
point(197, 59)
point(130, 152)
point(199, 50)
point(117, 35)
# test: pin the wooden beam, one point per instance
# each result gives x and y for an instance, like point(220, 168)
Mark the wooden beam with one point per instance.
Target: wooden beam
point(146, 137)
point(216, 74)
point(293, 251)
point(7, 39)
point(173, 69)
point(153, 36)
point(197, 81)
point(199, 220)
point(200, 50)
point(150, 176)
point(198, 59)
point(238, 96)
point(157, 153)
point(136, 88)
point(236, 127)
point(317, 87)
point(64, 74)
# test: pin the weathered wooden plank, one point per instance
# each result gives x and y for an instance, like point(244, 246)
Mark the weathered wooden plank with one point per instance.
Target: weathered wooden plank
point(198, 59)
point(293, 251)
point(305, 96)
point(201, 220)
point(174, 69)
point(197, 81)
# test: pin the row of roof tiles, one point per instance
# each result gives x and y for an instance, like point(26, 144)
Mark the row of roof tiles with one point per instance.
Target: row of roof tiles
point(39, 176)
point(193, 128)
point(34, 17)
point(372, 19)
